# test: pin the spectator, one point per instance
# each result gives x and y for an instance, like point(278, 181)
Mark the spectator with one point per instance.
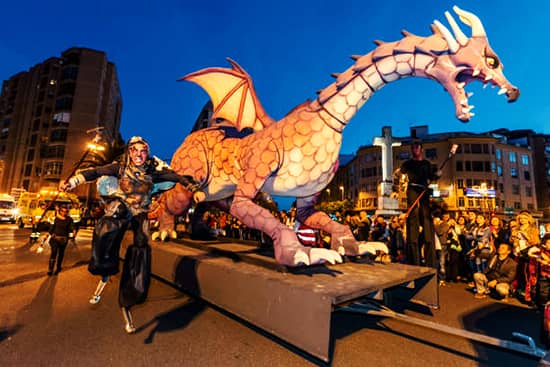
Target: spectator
point(378, 231)
point(539, 274)
point(481, 250)
point(441, 228)
point(498, 275)
point(59, 234)
point(524, 238)
point(454, 255)
point(397, 240)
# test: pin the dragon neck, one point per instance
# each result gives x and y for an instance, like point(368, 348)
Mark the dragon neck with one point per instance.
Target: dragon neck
point(389, 62)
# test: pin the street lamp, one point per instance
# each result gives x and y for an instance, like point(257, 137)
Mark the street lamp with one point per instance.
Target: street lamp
point(342, 189)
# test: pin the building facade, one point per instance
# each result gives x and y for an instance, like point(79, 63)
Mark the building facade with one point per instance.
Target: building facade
point(487, 173)
point(45, 114)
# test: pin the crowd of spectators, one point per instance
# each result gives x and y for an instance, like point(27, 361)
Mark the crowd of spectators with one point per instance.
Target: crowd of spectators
point(492, 256)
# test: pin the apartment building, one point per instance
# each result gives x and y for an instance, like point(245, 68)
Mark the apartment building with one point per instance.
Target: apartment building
point(487, 173)
point(46, 111)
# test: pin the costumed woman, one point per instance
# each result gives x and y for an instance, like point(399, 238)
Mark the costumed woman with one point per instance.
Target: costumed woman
point(127, 205)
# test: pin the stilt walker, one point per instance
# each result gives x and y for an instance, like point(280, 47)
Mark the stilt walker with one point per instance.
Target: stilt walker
point(134, 177)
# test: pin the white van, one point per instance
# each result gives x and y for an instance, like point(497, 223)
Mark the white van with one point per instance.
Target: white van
point(8, 208)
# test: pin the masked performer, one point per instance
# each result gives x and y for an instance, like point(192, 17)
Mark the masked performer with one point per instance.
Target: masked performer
point(127, 205)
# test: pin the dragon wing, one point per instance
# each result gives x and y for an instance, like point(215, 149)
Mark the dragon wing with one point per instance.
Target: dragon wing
point(233, 96)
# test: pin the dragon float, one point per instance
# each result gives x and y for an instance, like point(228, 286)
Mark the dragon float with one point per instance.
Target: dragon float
point(298, 155)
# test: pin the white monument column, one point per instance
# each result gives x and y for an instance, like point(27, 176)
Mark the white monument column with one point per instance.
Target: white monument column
point(386, 204)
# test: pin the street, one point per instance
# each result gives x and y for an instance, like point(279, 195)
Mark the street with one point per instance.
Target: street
point(48, 321)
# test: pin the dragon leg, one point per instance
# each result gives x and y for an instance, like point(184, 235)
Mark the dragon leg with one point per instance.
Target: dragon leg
point(342, 240)
point(288, 250)
point(170, 204)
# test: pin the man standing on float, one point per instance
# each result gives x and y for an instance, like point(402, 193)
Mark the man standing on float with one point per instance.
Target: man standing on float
point(127, 205)
point(420, 174)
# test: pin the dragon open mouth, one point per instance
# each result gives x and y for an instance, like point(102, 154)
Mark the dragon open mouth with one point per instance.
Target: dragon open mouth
point(467, 76)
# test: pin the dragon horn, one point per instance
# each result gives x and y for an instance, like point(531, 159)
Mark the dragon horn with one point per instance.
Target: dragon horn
point(472, 20)
point(451, 42)
point(459, 35)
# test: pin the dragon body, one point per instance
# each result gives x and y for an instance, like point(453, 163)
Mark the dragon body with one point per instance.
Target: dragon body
point(298, 155)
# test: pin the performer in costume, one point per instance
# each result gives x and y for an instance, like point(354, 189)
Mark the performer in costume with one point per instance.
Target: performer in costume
point(127, 206)
point(420, 174)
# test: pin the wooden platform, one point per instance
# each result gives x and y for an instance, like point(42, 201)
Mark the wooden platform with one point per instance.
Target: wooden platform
point(294, 304)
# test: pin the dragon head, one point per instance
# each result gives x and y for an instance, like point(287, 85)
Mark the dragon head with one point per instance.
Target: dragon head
point(462, 60)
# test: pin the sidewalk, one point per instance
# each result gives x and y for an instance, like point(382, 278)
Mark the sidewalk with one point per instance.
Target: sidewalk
point(24, 263)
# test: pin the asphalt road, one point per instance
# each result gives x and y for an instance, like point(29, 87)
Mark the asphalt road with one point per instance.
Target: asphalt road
point(47, 321)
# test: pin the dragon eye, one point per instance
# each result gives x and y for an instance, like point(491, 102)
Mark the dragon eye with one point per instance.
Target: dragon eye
point(491, 62)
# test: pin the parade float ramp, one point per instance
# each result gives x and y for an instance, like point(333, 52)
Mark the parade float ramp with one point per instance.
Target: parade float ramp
point(294, 304)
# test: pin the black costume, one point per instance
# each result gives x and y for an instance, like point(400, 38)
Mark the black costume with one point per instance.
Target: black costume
point(127, 206)
point(419, 173)
point(60, 232)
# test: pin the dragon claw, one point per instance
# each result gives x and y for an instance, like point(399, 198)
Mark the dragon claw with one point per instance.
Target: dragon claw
point(320, 255)
point(155, 236)
point(300, 258)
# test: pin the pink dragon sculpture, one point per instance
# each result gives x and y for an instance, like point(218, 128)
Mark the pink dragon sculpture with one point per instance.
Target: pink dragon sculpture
point(298, 155)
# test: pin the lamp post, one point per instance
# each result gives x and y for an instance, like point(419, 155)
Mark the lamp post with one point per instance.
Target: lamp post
point(342, 189)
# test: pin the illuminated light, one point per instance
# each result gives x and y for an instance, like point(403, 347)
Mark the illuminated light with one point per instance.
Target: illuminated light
point(97, 147)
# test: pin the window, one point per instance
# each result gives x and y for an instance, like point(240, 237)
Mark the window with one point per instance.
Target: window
point(53, 168)
point(499, 170)
point(468, 166)
point(476, 148)
point(512, 157)
point(72, 58)
point(517, 205)
point(527, 175)
point(403, 156)
point(67, 88)
point(513, 172)
point(477, 166)
point(460, 183)
point(470, 203)
point(501, 188)
point(459, 166)
point(530, 206)
point(493, 167)
point(461, 201)
point(30, 155)
point(528, 191)
point(28, 170)
point(65, 103)
point(58, 135)
point(498, 154)
point(515, 189)
point(525, 159)
point(431, 153)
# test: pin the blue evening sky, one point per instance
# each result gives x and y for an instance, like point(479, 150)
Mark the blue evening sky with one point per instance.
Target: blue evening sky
point(290, 48)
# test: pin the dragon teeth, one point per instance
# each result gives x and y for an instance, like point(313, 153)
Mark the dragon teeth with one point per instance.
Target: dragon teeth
point(469, 94)
point(475, 73)
point(485, 85)
point(461, 85)
point(502, 91)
